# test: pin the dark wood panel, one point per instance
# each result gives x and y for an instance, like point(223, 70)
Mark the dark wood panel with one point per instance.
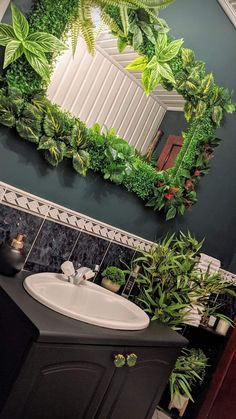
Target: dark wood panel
point(170, 152)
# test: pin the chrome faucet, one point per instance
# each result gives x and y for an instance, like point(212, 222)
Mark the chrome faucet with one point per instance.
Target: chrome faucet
point(75, 277)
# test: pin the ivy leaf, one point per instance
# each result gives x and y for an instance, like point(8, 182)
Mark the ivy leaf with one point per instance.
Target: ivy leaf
point(47, 42)
point(171, 213)
point(217, 115)
point(38, 64)
point(6, 34)
point(13, 51)
point(19, 22)
point(139, 63)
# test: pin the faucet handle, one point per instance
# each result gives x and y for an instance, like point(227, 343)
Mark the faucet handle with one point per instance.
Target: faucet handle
point(68, 268)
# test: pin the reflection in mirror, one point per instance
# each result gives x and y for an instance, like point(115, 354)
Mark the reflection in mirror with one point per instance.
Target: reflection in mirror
point(98, 89)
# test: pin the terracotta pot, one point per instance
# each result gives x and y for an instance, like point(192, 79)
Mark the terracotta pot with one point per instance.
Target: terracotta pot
point(109, 285)
point(179, 402)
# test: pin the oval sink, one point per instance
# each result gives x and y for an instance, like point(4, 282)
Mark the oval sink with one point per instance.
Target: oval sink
point(86, 302)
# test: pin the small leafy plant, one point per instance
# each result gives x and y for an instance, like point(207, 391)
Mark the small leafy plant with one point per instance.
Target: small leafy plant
point(189, 371)
point(157, 68)
point(116, 275)
point(18, 41)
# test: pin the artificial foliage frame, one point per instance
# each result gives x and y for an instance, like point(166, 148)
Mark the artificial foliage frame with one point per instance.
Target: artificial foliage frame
point(59, 135)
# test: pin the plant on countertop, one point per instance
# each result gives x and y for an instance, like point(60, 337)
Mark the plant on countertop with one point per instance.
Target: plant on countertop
point(163, 59)
point(19, 41)
point(170, 282)
point(116, 275)
point(188, 372)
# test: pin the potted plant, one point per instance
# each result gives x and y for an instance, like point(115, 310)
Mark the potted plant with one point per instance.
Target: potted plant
point(113, 278)
point(188, 372)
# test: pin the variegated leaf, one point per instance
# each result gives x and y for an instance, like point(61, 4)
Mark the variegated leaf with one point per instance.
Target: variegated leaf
point(13, 51)
point(19, 22)
point(6, 34)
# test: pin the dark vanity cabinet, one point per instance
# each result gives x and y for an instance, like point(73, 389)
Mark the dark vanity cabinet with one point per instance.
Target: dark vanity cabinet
point(53, 367)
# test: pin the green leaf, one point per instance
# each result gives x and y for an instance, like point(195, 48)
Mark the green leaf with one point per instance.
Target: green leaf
point(188, 111)
point(46, 143)
point(161, 43)
point(146, 28)
point(26, 132)
point(35, 48)
point(171, 213)
point(201, 108)
point(38, 64)
point(170, 51)
point(12, 52)
point(217, 115)
point(47, 42)
point(121, 44)
point(124, 19)
point(7, 118)
point(145, 80)
point(81, 162)
point(19, 22)
point(229, 107)
point(54, 155)
point(6, 34)
point(207, 84)
point(166, 72)
point(137, 38)
point(188, 56)
point(139, 63)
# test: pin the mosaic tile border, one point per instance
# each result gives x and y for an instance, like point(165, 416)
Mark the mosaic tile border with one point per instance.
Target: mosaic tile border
point(35, 205)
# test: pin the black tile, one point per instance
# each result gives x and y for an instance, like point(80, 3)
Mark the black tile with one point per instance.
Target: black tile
point(89, 250)
point(52, 247)
point(14, 221)
point(116, 255)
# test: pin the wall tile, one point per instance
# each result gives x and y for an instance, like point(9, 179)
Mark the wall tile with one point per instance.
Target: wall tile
point(14, 221)
point(2, 192)
point(52, 247)
point(89, 251)
point(115, 255)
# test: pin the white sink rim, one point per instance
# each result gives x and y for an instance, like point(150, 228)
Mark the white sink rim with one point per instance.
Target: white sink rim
point(32, 283)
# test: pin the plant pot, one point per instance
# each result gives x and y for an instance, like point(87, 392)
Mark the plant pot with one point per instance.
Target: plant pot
point(179, 402)
point(109, 285)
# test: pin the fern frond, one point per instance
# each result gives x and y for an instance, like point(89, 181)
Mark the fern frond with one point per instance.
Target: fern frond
point(75, 31)
point(87, 31)
point(125, 19)
point(111, 23)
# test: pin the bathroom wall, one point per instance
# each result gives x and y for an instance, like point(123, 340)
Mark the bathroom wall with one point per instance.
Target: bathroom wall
point(55, 234)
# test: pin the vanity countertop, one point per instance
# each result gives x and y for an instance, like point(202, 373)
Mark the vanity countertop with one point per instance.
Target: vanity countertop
point(50, 326)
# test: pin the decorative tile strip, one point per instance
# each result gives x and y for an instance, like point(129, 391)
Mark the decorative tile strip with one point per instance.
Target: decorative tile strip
point(30, 203)
point(228, 276)
point(2, 192)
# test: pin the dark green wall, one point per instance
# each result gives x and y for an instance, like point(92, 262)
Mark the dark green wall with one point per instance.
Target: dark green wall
point(207, 30)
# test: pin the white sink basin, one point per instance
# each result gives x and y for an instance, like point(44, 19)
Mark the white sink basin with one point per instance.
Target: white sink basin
point(86, 302)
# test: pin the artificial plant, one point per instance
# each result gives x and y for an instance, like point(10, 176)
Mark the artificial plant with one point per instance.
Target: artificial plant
point(170, 282)
point(188, 372)
point(19, 41)
point(137, 24)
point(116, 275)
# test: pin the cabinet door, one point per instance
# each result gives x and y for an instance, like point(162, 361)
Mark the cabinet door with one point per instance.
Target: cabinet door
point(170, 152)
point(61, 382)
point(135, 391)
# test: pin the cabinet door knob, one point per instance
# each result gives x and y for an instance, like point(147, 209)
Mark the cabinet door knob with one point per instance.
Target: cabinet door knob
point(131, 359)
point(119, 360)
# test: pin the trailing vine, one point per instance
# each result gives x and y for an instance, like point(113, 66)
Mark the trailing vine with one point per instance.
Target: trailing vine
point(58, 135)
